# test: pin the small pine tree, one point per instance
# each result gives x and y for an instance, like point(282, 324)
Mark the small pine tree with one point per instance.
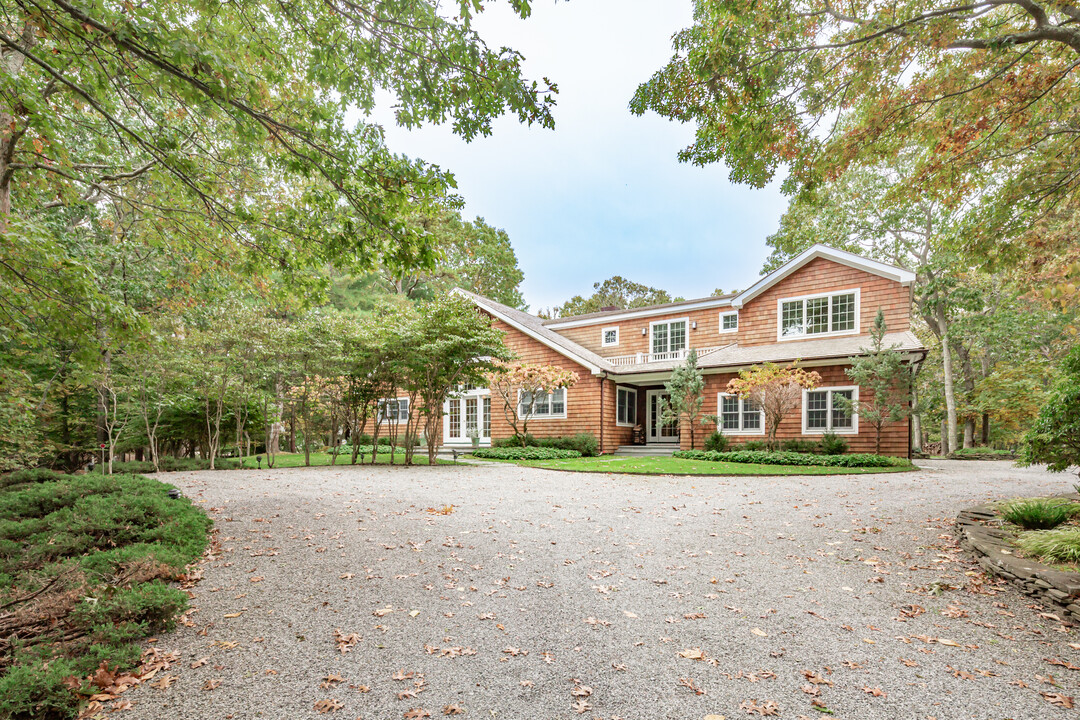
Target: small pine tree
point(685, 401)
point(883, 372)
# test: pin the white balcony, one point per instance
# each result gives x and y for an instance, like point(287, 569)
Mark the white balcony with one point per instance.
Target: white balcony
point(647, 358)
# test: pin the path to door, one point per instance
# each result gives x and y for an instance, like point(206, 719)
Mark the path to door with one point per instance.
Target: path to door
point(543, 594)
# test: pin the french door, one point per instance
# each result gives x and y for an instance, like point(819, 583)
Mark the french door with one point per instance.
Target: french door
point(466, 415)
point(658, 430)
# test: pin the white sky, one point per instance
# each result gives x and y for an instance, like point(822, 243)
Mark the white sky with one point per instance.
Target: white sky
point(603, 194)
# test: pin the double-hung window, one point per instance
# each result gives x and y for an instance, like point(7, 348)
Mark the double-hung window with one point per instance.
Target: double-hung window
point(625, 407)
point(395, 410)
point(543, 405)
point(829, 410)
point(740, 416)
point(668, 336)
point(729, 321)
point(830, 314)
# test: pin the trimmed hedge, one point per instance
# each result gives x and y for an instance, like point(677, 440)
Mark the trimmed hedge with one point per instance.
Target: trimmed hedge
point(584, 443)
point(528, 453)
point(788, 458)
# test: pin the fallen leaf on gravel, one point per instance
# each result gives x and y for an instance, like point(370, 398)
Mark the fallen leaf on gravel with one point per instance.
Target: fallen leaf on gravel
point(330, 705)
point(330, 680)
point(948, 643)
point(581, 706)
point(383, 612)
point(271, 672)
point(234, 615)
point(876, 692)
point(812, 690)
point(909, 663)
point(514, 652)
point(406, 694)
point(581, 691)
point(344, 642)
point(485, 616)
point(1059, 700)
point(1062, 663)
point(257, 578)
point(694, 616)
point(346, 576)
point(769, 707)
point(628, 614)
point(594, 621)
point(619, 667)
point(200, 662)
point(402, 675)
point(416, 713)
point(689, 684)
point(714, 717)
point(759, 632)
point(163, 682)
point(211, 684)
point(453, 710)
point(816, 678)
point(527, 683)
point(692, 654)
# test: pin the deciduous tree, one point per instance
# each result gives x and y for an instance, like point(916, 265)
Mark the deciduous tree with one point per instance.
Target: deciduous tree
point(776, 389)
point(519, 385)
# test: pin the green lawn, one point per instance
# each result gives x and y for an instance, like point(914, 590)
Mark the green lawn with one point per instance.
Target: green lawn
point(291, 460)
point(678, 466)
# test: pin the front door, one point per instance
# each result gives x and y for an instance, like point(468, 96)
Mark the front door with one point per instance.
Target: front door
point(658, 430)
point(468, 414)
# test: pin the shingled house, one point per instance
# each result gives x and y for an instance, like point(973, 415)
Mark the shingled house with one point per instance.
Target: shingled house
point(817, 309)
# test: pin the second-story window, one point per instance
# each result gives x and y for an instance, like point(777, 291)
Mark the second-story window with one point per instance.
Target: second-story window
point(668, 336)
point(609, 336)
point(818, 315)
point(729, 321)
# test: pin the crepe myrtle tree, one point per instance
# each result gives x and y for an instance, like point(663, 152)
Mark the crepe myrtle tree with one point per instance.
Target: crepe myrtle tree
point(519, 384)
point(776, 389)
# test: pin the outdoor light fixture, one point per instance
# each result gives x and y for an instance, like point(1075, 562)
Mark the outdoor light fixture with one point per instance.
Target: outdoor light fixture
point(644, 331)
point(693, 325)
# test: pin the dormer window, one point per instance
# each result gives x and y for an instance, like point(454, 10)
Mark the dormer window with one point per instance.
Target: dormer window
point(729, 321)
point(609, 337)
point(810, 315)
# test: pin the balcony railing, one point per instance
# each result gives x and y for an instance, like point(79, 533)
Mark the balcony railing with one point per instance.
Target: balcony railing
point(646, 358)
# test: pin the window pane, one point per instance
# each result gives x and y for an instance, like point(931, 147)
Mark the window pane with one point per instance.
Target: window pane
point(817, 410)
point(403, 410)
point(660, 338)
point(731, 322)
point(751, 415)
point(455, 418)
point(487, 418)
point(843, 312)
point(631, 408)
point(558, 402)
point(620, 406)
point(791, 321)
point(678, 336)
point(817, 315)
point(470, 416)
point(610, 336)
point(841, 418)
point(729, 412)
point(543, 404)
point(524, 407)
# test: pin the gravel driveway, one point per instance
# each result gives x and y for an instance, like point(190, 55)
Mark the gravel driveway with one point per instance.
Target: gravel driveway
point(557, 595)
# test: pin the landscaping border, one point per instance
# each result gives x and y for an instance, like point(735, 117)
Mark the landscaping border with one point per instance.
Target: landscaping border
point(996, 555)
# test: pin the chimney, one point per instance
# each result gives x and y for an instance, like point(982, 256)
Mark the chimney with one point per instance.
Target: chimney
point(609, 308)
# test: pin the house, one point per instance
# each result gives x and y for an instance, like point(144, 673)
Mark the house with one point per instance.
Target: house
point(817, 309)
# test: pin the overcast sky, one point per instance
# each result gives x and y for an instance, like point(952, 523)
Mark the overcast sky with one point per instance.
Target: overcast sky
point(603, 194)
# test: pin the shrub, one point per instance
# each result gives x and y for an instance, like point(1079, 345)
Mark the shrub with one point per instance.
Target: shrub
point(717, 441)
point(754, 445)
point(361, 439)
point(1052, 545)
point(801, 446)
point(584, 443)
point(833, 444)
point(528, 453)
point(515, 441)
point(983, 452)
point(1054, 437)
point(35, 475)
point(758, 457)
point(384, 440)
point(1038, 513)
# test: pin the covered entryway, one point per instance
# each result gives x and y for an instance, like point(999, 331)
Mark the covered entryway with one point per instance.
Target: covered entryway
point(657, 430)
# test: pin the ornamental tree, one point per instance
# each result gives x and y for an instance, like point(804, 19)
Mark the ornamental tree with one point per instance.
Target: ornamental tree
point(1054, 439)
point(883, 372)
point(519, 384)
point(777, 390)
point(685, 400)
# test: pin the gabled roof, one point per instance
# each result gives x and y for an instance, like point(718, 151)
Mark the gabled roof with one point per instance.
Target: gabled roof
point(646, 311)
point(534, 328)
point(900, 275)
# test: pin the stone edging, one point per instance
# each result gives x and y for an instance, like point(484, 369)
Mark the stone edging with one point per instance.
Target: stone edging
point(981, 534)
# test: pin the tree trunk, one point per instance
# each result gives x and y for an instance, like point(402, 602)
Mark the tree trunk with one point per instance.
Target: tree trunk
point(986, 429)
point(969, 432)
point(950, 391)
point(944, 436)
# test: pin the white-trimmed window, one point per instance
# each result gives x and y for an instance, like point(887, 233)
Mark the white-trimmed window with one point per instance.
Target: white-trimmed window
point(811, 315)
point(609, 337)
point(668, 335)
point(395, 410)
point(729, 321)
point(625, 407)
point(544, 405)
point(739, 416)
point(822, 412)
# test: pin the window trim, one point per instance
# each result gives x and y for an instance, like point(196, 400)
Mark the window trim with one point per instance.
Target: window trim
point(603, 336)
point(629, 390)
point(853, 430)
point(654, 323)
point(566, 406)
point(726, 314)
point(382, 418)
point(816, 296)
point(720, 419)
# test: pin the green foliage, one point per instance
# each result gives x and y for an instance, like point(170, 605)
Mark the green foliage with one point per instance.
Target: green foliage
point(1060, 546)
point(683, 403)
point(716, 441)
point(617, 292)
point(832, 444)
point(789, 458)
point(884, 382)
point(107, 543)
point(525, 453)
point(1038, 513)
point(754, 445)
point(1054, 438)
point(984, 452)
point(584, 443)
